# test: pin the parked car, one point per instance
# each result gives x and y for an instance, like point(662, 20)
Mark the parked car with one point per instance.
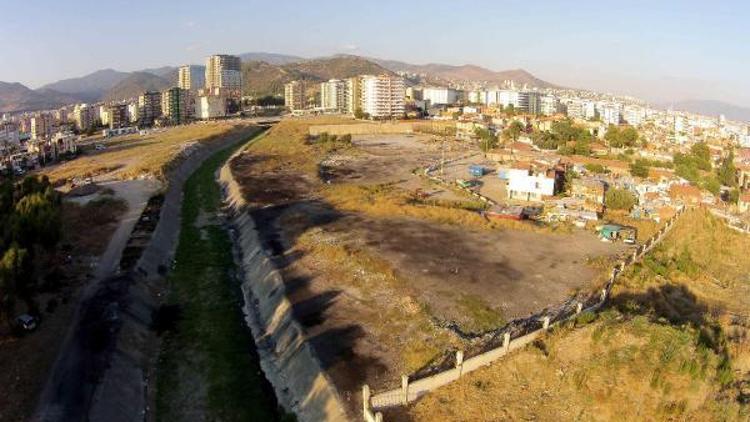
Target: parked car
point(100, 147)
point(27, 322)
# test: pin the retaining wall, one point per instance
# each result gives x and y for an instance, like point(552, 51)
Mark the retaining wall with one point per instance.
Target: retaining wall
point(287, 359)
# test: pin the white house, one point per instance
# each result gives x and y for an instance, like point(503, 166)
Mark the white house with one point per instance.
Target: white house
point(528, 185)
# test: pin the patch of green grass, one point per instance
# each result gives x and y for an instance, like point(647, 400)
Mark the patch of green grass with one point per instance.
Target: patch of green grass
point(208, 364)
point(481, 316)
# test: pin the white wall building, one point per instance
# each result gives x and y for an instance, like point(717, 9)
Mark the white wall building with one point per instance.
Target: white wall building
point(440, 95)
point(210, 107)
point(333, 96)
point(383, 96)
point(527, 185)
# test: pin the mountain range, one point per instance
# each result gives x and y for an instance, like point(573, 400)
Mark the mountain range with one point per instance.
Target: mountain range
point(711, 108)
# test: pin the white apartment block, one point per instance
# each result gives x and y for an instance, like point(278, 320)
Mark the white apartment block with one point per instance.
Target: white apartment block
point(85, 116)
point(440, 95)
point(354, 94)
point(383, 96)
point(9, 135)
point(333, 96)
point(550, 105)
point(634, 115)
point(41, 126)
point(507, 98)
point(610, 114)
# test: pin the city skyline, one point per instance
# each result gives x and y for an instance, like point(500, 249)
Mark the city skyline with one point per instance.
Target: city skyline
point(639, 49)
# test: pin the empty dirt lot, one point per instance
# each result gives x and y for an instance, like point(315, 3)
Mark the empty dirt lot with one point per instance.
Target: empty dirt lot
point(374, 273)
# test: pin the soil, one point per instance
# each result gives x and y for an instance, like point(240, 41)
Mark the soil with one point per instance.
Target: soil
point(514, 272)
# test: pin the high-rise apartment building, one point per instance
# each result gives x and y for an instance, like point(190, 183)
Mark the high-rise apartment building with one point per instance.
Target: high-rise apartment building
point(84, 116)
point(118, 116)
point(530, 102)
point(354, 94)
point(225, 72)
point(295, 96)
point(191, 78)
point(149, 108)
point(41, 126)
point(383, 96)
point(333, 95)
point(176, 105)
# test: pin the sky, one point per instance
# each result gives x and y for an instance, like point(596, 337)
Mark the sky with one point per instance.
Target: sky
point(661, 51)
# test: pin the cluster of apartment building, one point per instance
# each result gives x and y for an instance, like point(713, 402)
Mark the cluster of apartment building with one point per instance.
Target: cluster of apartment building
point(200, 94)
point(375, 96)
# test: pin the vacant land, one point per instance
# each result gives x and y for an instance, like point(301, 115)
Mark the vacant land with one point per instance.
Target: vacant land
point(377, 260)
point(207, 370)
point(131, 156)
point(673, 345)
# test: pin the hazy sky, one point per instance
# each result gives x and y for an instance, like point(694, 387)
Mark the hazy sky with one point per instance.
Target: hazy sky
point(658, 50)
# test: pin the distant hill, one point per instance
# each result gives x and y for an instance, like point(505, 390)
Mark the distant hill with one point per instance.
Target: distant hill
point(270, 58)
point(135, 84)
point(91, 87)
point(712, 108)
point(261, 78)
point(15, 97)
point(444, 72)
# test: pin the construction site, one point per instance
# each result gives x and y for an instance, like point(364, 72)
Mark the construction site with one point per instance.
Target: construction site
point(387, 270)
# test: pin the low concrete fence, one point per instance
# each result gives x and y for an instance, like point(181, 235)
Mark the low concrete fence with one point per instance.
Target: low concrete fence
point(289, 362)
point(412, 390)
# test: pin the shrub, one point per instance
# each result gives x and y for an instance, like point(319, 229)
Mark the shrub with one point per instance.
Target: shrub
point(619, 199)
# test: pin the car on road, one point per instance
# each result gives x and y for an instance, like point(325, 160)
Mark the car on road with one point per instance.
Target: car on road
point(100, 147)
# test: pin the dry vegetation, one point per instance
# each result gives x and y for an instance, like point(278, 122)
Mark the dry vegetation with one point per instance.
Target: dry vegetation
point(673, 345)
point(134, 155)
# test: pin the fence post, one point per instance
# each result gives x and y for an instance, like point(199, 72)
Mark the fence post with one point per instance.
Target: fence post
point(460, 362)
point(545, 323)
point(365, 400)
point(579, 307)
point(405, 389)
point(604, 295)
point(635, 255)
point(506, 342)
point(378, 417)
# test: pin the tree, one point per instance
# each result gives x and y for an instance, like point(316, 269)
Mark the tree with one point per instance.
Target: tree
point(711, 184)
point(727, 172)
point(702, 156)
point(513, 131)
point(487, 141)
point(619, 199)
point(639, 168)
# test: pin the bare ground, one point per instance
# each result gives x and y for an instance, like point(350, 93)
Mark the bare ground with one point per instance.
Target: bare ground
point(370, 289)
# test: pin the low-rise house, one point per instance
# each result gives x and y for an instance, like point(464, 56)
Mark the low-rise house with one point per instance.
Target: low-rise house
point(590, 190)
point(528, 184)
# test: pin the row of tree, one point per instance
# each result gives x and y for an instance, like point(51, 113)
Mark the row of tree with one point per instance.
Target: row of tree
point(30, 225)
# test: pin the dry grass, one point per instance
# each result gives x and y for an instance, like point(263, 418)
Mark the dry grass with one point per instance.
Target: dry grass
point(611, 369)
point(89, 227)
point(390, 314)
point(135, 155)
point(675, 345)
point(645, 228)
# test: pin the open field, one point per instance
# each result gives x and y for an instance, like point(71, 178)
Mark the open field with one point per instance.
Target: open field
point(131, 156)
point(673, 344)
point(375, 271)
